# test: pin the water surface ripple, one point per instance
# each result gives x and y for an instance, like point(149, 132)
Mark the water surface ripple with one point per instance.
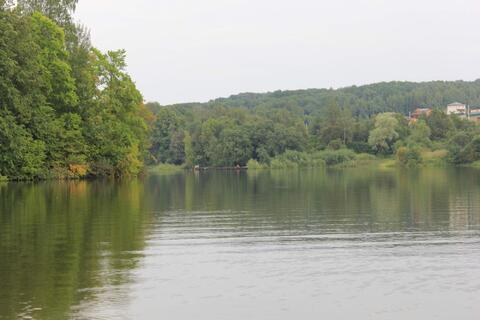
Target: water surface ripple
point(335, 244)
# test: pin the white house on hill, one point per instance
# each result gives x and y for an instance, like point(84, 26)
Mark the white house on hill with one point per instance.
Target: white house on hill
point(457, 108)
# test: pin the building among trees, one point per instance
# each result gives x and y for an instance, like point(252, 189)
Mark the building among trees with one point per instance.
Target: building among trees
point(457, 108)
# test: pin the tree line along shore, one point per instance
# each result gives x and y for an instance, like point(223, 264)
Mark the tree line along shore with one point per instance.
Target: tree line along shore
point(215, 135)
point(68, 110)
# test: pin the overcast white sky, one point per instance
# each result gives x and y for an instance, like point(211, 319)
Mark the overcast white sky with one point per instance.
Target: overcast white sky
point(197, 50)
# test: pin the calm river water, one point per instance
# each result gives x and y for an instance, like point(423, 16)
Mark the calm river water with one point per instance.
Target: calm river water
point(324, 244)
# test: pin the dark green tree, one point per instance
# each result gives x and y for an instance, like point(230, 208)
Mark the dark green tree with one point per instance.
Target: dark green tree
point(440, 125)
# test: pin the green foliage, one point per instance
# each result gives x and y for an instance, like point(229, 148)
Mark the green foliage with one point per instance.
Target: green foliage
point(336, 126)
point(471, 152)
point(409, 157)
point(336, 144)
point(300, 158)
point(189, 153)
point(362, 101)
point(268, 127)
point(167, 138)
point(21, 157)
point(59, 11)
point(440, 124)
point(475, 164)
point(365, 157)
point(435, 158)
point(385, 133)
point(457, 146)
point(366, 119)
point(234, 147)
point(255, 165)
point(67, 110)
point(335, 157)
point(278, 164)
point(295, 159)
point(420, 134)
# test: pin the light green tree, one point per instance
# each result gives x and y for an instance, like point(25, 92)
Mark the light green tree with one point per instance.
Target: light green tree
point(420, 134)
point(384, 135)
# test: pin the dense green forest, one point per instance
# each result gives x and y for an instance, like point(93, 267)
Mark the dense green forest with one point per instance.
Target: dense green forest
point(318, 126)
point(66, 109)
point(363, 101)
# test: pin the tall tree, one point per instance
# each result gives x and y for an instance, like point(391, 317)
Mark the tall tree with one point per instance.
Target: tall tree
point(384, 135)
point(439, 123)
point(337, 124)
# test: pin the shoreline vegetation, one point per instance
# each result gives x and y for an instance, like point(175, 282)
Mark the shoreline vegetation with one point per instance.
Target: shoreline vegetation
point(67, 110)
point(327, 159)
point(70, 111)
point(386, 139)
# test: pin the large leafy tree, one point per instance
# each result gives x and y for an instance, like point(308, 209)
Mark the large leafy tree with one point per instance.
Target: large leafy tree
point(385, 133)
point(66, 109)
point(115, 125)
point(439, 123)
point(420, 134)
point(167, 137)
point(337, 124)
point(60, 90)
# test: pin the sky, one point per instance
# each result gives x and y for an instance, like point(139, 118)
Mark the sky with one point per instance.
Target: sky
point(198, 50)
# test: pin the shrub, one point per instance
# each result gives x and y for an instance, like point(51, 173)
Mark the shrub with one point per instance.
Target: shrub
point(278, 163)
point(334, 157)
point(437, 157)
point(336, 144)
point(475, 164)
point(456, 146)
point(296, 159)
point(409, 157)
point(263, 156)
point(471, 152)
point(255, 165)
point(289, 159)
point(360, 147)
point(300, 158)
point(78, 170)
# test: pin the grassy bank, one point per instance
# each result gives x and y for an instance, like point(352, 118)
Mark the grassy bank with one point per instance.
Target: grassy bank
point(475, 164)
point(165, 168)
point(434, 158)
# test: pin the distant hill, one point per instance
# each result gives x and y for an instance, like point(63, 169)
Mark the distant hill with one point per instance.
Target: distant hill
point(366, 100)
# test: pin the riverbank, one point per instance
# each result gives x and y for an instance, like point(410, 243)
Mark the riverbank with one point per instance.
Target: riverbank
point(342, 158)
point(165, 168)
